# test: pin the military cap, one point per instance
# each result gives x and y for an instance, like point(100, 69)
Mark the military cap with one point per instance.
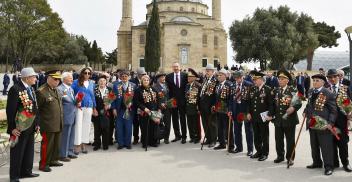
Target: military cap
point(332, 72)
point(158, 75)
point(54, 74)
point(319, 76)
point(256, 74)
point(192, 73)
point(284, 74)
point(237, 74)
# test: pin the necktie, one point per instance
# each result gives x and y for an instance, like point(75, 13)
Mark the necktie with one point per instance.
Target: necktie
point(238, 93)
point(70, 93)
point(29, 91)
point(281, 91)
point(334, 89)
point(177, 81)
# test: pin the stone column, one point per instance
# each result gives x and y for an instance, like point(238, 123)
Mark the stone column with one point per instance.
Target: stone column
point(216, 10)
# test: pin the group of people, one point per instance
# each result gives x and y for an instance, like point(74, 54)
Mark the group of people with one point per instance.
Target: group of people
point(220, 103)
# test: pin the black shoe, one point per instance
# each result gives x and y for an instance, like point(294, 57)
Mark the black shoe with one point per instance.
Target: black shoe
point(250, 153)
point(45, 169)
point(135, 142)
point(32, 175)
point(85, 151)
point(219, 147)
point(166, 141)
point(14, 180)
point(237, 150)
point(191, 141)
point(347, 168)
point(76, 153)
point(106, 148)
point(183, 141)
point(129, 147)
point(176, 139)
point(314, 166)
point(56, 164)
point(328, 172)
point(279, 159)
point(96, 148)
point(154, 145)
point(263, 158)
point(290, 163)
point(211, 145)
point(119, 147)
point(337, 165)
point(72, 156)
point(255, 156)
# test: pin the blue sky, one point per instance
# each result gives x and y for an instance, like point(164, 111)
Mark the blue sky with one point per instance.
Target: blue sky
point(99, 19)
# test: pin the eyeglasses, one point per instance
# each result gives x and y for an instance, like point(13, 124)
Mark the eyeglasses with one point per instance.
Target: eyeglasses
point(87, 73)
point(56, 79)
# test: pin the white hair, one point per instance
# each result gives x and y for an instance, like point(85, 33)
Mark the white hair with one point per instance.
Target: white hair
point(341, 72)
point(65, 74)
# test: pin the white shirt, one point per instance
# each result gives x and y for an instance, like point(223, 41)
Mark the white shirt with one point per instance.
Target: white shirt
point(102, 91)
point(179, 78)
point(337, 87)
point(69, 89)
point(86, 83)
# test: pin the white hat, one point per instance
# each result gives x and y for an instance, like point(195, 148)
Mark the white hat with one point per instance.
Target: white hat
point(223, 71)
point(210, 67)
point(141, 71)
point(27, 72)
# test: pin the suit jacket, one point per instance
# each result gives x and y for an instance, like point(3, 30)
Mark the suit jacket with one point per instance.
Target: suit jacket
point(177, 92)
point(207, 99)
point(192, 97)
point(14, 103)
point(118, 104)
point(162, 94)
point(223, 95)
point(68, 104)
point(242, 107)
point(260, 101)
point(272, 82)
point(282, 103)
point(328, 111)
point(135, 81)
point(345, 82)
point(307, 83)
point(6, 80)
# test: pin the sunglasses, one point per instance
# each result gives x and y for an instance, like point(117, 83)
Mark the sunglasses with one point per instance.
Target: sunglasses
point(57, 79)
point(87, 73)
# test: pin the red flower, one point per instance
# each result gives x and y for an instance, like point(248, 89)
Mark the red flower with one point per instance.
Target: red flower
point(161, 94)
point(312, 122)
point(300, 94)
point(79, 96)
point(346, 102)
point(240, 117)
point(112, 96)
point(174, 103)
point(27, 114)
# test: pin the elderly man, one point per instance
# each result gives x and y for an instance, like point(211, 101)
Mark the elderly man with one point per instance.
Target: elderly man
point(177, 82)
point(22, 130)
point(342, 78)
point(69, 109)
point(322, 104)
point(51, 121)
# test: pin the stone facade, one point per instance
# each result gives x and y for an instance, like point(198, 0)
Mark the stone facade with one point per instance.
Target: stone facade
point(188, 35)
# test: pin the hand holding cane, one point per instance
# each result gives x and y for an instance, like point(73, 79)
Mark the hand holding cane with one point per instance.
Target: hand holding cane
point(147, 135)
point(294, 148)
point(228, 133)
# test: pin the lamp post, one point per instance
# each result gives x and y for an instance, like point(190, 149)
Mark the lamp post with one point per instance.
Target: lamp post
point(348, 31)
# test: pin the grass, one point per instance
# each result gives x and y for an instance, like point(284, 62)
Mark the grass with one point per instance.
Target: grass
point(3, 104)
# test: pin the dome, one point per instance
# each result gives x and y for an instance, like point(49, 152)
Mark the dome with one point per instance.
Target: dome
point(197, 1)
point(182, 19)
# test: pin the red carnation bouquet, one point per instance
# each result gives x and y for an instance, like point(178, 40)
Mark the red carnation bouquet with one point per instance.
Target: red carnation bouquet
point(319, 123)
point(79, 98)
point(127, 100)
point(109, 98)
point(171, 103)
point(240, 117)
point(344, 104)
point(220, 106)
point(296, 100)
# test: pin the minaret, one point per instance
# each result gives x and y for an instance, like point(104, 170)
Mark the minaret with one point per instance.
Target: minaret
point(124, 36)
point(216, 10)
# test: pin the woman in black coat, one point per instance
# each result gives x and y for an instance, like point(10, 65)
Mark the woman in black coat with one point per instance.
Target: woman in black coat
point(146, 100)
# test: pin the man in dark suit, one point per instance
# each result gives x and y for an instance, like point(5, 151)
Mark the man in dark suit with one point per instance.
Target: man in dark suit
point(239, 104)
point(342, 78)
point(177, 82)
point(286, 117)
point(300, 82)
point(340, 146)
point(322, 103)
point(306, 84)
point(6, 83)
point(271, 80)
point(22, 154)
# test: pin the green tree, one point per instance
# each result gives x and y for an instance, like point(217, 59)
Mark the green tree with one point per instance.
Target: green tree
point(152, 45)
point(111, 57)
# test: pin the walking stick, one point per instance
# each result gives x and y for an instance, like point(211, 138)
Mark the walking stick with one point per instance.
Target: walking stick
point(294, 148)
point(147, 136)
point(228, 135)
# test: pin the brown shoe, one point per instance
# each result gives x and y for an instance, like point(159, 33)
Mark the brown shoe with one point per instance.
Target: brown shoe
point(65, 159)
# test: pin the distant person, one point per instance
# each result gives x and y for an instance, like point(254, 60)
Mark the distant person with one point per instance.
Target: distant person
point(6, 83)
point(16, 77)
point(306, 83)
point(342, 78)
point(271, 81)
point(300, 82)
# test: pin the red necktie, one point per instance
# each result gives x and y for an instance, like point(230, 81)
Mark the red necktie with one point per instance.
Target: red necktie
point(177, 82)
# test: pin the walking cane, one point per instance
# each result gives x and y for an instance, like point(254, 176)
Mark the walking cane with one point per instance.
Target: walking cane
point(147, 136)
point(228, 135)
point(294, 148)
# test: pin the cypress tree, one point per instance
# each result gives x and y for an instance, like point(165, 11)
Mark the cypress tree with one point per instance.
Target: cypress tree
point(152, 45)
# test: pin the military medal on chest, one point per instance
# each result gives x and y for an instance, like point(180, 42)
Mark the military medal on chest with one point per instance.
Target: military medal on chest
point(320, 102)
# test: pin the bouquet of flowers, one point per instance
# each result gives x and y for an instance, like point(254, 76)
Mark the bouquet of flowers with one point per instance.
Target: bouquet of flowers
point(220, 106)
point(127, 100)
point(319, 123)
point(155, 116)
point(109, 98)
point(296, 100)
point(240, 117)
point(79, 98)
point(171, 103)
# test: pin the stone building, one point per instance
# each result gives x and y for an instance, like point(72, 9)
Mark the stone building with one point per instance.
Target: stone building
point(188, 35)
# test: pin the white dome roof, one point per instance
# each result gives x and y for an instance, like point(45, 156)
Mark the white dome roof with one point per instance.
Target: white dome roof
point(183, 19)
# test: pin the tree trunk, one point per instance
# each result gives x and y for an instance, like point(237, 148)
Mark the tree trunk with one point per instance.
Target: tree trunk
point(310, 54)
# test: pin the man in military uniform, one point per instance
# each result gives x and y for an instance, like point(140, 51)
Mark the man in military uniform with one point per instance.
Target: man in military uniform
point(240, 102)
point(22, 154)
point(261, 103)
point(286, 117)
point(163, 96)
point(322, 104)
point(340, 146)
point(192, 99)
point(222, 107)
point(206, 102)
point(51, 121)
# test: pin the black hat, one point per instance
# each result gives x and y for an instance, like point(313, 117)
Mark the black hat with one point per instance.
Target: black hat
point(284, 74)
point(158, 75)
point(103, 76)
point(192, 73)
point(256, 74)
point(54, 74)
point(332, 72)
point(124, 72)
point(319, 76)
